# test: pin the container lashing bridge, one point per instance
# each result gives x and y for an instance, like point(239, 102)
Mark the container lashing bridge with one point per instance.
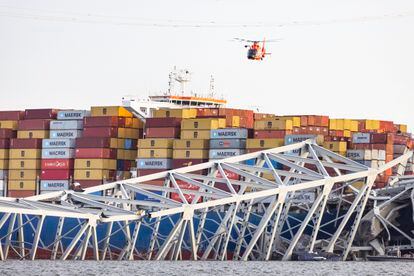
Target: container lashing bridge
point(307, 203)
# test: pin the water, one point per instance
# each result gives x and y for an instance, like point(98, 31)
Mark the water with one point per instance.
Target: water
point(211, 268)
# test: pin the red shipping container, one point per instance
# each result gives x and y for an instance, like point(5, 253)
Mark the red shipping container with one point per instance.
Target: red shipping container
point(57, 164)
point(56, 174)
point(262, 134)
point(378, 138)
point(4, 143)
point(163, 132)
point(179, 163)
point(40, 113)
point(34, 124)
point(303, 121)
point(104, 153)
point(143, 172)
point(20, 193)
point(163, 122)
point(11, 115)
point(400, 139)
point(31, 143)
point(104, 121)
point(94, 142)
point(89, 183)
point(185, 186)
point(100, 132)
point(7, 133)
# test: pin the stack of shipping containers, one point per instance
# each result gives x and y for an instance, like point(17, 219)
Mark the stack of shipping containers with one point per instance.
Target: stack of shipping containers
point(58, 151)
point(8, 126)
point(26, 152)
point(98, 150)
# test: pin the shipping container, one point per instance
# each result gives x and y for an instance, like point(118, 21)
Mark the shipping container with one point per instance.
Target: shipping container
point(26, 143)
point(34, 124)
point(12, 115)
point(264, 134)
point(97, 142)
point(28, 134)
point(337, 146)
point(163, 122)
point(155, 153)
point(155, 143)
point(359, 154)
point(58, 143)
point(90, 183)
point(102, 164)
point(66, 125)
point(54, 185)
point(72, 114)
point(228, 144)
point(3, 174)
point(95, 153)
point(195, 134)
point(154, 163)
point(4, 153)
point(24, 154)
point(162, 132)
point(190, 154)
point(184, 113)
point(229, 133)
point(94, 174)
point(23, 174)
point(57, 164)
point(57, 134)
point(274, 124)
point(7, 133)
point(104, 121)
point(27, 164)
point(292, 139)
point(118, 111)
point(40, 114)
point(179, 163)
point(225, 153)
point(13, 125)
point(56, 174)
point(264, 143)
point(4, 164)
point(58, 153)
point(203, 124)
point(26, 185)
point(20, 193)
point(4, 143)
point(191, 144)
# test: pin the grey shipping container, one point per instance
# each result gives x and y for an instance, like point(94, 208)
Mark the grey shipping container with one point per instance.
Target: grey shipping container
point(225, 153)
point(297, 138)
point(154, 163)
point(54, 185)
point(229, 133)
point(361, 138)
point(72, 114)
point(58, 143)
point(1, 185)
point(227, 143)
point(58, 153)
point(3, 174)
point(65, 125)
point(65, 133)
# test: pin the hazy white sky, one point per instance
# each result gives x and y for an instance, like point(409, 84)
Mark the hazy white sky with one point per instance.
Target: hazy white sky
point(360, 69)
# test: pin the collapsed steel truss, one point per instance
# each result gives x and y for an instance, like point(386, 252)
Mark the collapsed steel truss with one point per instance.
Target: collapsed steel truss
point(295, 198)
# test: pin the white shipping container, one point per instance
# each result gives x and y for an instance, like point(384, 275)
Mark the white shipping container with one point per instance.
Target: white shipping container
point(58, 153)
point(72, 114)
point(225, 153)
point(229, 133)
point(54, 185)
point(65, 133)
point(374, 153)
point(58, 143)
point(66, 125)
point(154, 163)
point(361, 138)
point(382, 155)
point(399, 149)
point(303, 197)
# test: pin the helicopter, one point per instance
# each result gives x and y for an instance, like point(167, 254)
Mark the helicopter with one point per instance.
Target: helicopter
point(257, 50)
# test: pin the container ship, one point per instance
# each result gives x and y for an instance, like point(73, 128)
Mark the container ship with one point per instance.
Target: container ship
point(48, 150)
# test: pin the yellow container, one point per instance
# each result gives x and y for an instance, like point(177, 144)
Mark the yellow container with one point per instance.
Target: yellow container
point(158, 143)
point(25, 153)
point(130, 154)
point(122, 132)
point(92, 174)
point(274, 124)
point(347, 133)
point(264, 143)
point(235, 121)
point(24, 185)
point(185, 113)
point(4, 164)
point(132, 133)
point(372, 124)
point(27, 164)
point(268, 176)
point(137, 123)
point(206, 123)
point(347, 124)
point(23, 174)
point(118, 111)
point(40, 134)
point(9, 124)
point(190, 154)
point(295, 120)
point(4, 153)
point(336, 146)
point(121, 175)
point(120, 143)
point(332, 124)
point(120, 154)
point(103, 164)
point(195, 134)
point(155, 153)
point(354, 126)
point(191, 144)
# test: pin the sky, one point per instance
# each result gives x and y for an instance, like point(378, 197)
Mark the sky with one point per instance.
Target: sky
point(357, 63)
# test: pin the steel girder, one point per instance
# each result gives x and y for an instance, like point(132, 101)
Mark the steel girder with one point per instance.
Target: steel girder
point(270, 204)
